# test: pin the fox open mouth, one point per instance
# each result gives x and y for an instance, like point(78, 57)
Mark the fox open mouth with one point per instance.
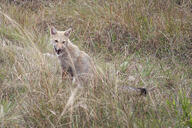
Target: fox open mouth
point(59, 51)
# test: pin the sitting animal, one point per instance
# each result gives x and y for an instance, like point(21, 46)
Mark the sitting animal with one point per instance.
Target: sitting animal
point(76, 63)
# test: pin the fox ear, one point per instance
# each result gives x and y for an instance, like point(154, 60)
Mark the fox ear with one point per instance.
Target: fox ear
point(68, 32)
point(53, 30)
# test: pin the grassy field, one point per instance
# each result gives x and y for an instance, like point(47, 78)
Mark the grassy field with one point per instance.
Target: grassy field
point(139, 43)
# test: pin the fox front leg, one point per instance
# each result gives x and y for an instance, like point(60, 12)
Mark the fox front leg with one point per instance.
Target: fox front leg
point(67, 74)
point(64, 75)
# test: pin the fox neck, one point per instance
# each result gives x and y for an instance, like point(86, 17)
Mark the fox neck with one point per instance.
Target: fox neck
point(71, 49)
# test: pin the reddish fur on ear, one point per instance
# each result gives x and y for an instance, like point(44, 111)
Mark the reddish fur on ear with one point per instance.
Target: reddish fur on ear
point(53, 30)
point(68, 32)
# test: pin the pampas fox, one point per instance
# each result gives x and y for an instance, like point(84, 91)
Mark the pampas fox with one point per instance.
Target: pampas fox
point(74, 62)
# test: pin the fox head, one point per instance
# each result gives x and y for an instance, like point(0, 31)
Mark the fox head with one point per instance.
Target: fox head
point(59, 39)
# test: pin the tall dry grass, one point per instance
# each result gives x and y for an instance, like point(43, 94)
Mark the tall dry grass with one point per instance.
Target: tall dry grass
point(134, 43)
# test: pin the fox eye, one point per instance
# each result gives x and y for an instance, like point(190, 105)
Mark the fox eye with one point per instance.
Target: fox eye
point(63, 42)
point(56, 41)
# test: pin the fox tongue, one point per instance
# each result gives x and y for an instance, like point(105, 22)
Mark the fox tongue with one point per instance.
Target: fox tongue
point(57, 51)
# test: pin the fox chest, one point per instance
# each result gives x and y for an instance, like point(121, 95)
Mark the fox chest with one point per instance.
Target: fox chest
point(65, 62)
point(66, 66)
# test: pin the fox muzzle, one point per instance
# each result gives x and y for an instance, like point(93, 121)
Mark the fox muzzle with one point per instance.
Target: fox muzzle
point(58, 51)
